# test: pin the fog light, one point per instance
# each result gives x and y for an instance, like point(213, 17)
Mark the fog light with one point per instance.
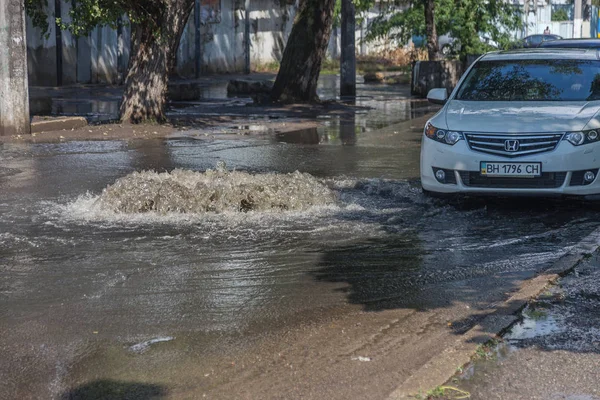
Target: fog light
point(440, 175)
point(589, 176)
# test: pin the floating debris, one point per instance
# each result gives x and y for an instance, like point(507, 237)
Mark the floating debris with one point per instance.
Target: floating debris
point(143, 346)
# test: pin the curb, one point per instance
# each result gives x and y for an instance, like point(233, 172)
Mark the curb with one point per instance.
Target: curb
point(443, 367)
point(58, 124)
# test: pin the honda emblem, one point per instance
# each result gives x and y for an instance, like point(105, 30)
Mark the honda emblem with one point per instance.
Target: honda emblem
point(511, 145)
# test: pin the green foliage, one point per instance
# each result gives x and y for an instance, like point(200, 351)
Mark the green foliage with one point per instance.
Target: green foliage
point(464, 20)
point(436, 392)
point(361, 7)
point(36, 11)
point(560, 15)
point(87, 14)
point(90, 13)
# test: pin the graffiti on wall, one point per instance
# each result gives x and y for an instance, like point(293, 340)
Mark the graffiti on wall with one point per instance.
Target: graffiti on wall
point(210, 11)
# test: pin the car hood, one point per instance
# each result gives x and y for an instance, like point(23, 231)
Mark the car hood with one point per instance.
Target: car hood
point(520, 116)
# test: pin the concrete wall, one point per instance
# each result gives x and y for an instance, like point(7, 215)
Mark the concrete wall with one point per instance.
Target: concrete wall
point(540, 16)
point(98, 58)
point(102, 57)
point(223, 43)
point(270, 26)
point(41, 54)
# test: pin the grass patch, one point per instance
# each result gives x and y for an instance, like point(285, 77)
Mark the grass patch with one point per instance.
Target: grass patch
point(535, 314)
point(487, 350)
point(271, 67)
point(397, 63)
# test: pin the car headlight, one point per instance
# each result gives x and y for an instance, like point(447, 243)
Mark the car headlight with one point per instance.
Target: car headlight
point(582, 137)
point(442, 135)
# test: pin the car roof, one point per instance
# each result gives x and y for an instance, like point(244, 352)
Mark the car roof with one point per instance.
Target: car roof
point(544, 54)
point(573, 43)
point(543, 34)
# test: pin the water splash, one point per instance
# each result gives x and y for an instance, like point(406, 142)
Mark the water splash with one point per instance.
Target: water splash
point(213, 191)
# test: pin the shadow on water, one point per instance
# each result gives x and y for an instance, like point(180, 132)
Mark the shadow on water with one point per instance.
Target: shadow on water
point(377, 271)
point(492, 245)
point(116, 390)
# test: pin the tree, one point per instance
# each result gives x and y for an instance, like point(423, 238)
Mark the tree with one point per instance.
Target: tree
point(465, 20)
point(157, 26)
point(560, 15)
point(303, 55)
point(430, 31)
point(427, 8)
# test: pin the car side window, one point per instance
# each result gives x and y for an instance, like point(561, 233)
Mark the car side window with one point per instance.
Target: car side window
point(535, 40)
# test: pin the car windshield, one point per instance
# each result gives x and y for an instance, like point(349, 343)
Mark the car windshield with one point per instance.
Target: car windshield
point(532, 80)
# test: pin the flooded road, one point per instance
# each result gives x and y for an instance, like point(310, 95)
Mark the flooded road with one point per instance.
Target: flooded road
point(179, 304)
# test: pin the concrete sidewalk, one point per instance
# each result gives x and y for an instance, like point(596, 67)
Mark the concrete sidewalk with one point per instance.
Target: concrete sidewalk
point(552, 353)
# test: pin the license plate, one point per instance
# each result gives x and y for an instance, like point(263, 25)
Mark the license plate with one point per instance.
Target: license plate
point(517, 170)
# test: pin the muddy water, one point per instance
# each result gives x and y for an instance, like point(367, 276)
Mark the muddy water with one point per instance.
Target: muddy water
point(88, 292)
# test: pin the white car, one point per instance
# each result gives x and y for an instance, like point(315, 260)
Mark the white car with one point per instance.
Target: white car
point(518, 122)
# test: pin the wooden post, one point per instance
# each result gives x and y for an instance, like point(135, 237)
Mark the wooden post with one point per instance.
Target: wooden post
point(14, 94)
point(348, 56)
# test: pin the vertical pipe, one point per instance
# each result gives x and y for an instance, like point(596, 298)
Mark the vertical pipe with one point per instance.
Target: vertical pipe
point(197, 39)
point(247, 37)
point(59, 45)
point(348, 56)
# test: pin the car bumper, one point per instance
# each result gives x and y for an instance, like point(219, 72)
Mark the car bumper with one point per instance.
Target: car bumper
point(462, 162)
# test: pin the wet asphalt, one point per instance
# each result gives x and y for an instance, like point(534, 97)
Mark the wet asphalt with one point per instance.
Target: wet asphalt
point(163, 306)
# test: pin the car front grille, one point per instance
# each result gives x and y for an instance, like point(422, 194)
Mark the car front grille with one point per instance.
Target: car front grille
point(512, 145)
point(548, 180)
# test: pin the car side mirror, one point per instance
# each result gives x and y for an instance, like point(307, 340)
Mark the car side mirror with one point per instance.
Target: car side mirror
point(437, 96)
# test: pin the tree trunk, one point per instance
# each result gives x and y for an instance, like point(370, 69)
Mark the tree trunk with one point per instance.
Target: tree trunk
point(152, 57)
point(303, 56)
point(432, 39)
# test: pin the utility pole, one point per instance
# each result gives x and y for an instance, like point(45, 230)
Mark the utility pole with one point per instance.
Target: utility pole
point(59, 43)
point(198, 38)
point(348, 56)
point(14, 94)
point(577, 19)
point(247, 47)
point(526, 7)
